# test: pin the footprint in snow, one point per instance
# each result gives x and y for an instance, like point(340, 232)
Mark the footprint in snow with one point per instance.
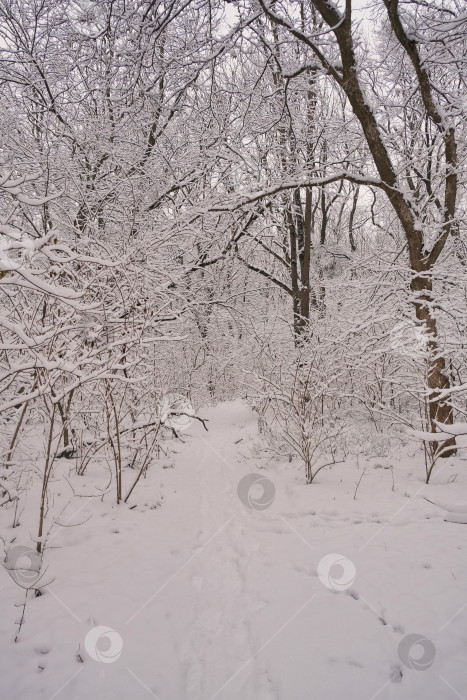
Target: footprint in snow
point(42, 650)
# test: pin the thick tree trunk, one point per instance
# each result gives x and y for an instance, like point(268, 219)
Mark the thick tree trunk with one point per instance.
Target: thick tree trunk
point(437, 380)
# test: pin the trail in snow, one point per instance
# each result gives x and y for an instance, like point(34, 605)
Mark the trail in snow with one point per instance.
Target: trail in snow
point(216, 601)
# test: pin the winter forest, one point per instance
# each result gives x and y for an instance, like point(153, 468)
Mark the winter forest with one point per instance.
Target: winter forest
point(233, 349)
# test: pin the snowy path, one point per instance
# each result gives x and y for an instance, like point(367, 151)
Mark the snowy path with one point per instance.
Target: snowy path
point(213, 600)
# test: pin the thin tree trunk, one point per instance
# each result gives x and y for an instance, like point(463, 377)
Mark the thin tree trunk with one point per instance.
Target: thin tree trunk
point(305, 260)
point(294, 275)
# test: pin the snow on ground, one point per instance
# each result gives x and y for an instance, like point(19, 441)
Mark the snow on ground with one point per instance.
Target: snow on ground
point(208, 598)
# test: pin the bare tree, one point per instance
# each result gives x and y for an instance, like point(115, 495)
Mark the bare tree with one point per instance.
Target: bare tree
point(342, 61)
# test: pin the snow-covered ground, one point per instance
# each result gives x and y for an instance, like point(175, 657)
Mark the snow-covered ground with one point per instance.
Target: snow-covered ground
point(208, 598)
